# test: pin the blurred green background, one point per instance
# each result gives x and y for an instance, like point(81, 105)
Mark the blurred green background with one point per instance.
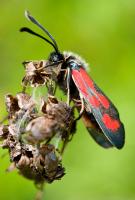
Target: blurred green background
point(103, 32)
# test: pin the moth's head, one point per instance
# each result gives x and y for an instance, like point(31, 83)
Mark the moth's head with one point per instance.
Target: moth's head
point(56, 57)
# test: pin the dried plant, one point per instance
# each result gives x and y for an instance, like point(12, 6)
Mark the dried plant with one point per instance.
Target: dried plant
point(37, 129)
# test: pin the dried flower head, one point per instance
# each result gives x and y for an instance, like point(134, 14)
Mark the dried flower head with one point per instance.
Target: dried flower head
point(39, 73)
point(36, 134)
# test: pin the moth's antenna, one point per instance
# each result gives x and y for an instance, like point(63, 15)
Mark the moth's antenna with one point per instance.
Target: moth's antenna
point(32, 19)
point(25, 29)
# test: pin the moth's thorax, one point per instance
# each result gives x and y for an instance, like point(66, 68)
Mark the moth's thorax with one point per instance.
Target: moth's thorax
point(70, 56)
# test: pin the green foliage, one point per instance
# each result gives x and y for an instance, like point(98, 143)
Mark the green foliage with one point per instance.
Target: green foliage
point(103, 32)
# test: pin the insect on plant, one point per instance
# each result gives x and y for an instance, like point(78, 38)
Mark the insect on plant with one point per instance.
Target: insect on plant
point(99, 114)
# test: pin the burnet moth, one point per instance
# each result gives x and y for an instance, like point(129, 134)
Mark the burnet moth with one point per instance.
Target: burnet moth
point(99, 114)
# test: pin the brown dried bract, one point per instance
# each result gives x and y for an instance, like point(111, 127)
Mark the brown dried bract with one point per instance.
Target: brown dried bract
point(19, 107)
point(39, 73)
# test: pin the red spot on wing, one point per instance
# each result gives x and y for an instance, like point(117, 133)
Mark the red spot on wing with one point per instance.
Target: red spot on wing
point(110, 123)
point(79, 81)
point(94, 101)
point(104, 101)
point(87, 78)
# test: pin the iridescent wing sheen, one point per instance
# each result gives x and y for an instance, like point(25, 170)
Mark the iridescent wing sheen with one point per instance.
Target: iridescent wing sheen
point(103, 110)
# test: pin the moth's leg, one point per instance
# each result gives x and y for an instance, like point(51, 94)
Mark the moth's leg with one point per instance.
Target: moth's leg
point(68, 85)
point(82, 107)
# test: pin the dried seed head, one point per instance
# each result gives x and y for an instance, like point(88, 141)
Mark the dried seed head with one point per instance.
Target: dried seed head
point(39, 73)
point(40, 166)
point(32, 135)
point(35, 74)
point(41, 128)
point(57, 120)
